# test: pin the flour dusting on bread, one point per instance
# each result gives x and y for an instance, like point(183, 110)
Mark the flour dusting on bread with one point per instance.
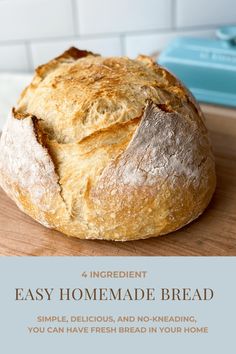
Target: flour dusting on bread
point(166, 146)
point(27, 168)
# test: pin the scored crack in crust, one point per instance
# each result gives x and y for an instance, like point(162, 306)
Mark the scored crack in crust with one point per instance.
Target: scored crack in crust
point(108, 148)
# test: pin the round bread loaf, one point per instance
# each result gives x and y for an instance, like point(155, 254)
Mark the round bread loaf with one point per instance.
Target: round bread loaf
point(107, 148)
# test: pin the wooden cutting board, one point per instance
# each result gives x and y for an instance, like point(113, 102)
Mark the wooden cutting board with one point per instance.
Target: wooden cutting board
point(213, 234)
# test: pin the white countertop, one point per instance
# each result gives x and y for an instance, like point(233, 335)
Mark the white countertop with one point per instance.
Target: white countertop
point(11, 86)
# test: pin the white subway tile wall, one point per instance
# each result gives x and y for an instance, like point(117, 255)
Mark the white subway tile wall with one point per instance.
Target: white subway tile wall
point(33, 31)
point(42, 51)
point(108, 16)
point(13, 57)
point(35, 19)
point(152, 43)
point(205, 12)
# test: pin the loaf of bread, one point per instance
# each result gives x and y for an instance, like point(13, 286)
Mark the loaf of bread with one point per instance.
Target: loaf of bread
point(107, 148)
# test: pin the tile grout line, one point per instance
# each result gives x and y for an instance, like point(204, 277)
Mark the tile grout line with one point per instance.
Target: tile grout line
point(122, 44)
point(29, 55)
point(173, 14)
point(110, 35)
point(107, 35)
point(74, 6)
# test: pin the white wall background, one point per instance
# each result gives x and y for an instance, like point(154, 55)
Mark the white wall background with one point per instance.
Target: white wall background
point(33, 31)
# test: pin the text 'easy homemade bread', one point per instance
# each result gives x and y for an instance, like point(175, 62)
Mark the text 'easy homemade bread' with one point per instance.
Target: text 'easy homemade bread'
point(107, 148)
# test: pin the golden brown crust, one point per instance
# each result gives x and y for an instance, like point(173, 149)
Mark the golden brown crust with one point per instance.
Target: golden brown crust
point(127, 147)
point(68, 56)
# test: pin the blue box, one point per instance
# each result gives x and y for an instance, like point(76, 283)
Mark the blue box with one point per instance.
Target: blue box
point(206, 66)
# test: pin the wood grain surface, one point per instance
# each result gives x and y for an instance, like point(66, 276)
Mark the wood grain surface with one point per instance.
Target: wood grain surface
point(212, 234)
